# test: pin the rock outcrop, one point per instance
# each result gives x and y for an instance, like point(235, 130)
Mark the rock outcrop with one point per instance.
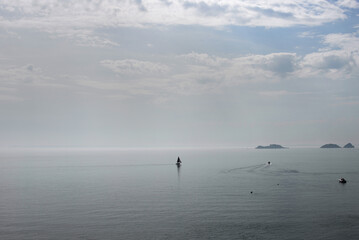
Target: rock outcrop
point(330, 145)
point(271, 146)
point(349, 145)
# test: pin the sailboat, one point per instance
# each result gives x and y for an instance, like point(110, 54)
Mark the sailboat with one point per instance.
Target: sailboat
point(178, 163)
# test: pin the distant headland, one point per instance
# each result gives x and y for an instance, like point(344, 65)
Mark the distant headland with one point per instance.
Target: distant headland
point(332, 145)
point(271, 146)
point(349, 145)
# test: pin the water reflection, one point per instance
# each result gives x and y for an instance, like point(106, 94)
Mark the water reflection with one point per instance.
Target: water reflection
point(178, 171)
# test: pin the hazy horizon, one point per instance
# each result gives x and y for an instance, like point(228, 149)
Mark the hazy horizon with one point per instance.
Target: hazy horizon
point(119, 148)
point(171, 73)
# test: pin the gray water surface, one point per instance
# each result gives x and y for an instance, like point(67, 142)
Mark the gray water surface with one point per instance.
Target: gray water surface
point(142, 194)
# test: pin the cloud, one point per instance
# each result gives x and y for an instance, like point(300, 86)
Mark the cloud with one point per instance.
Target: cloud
point(348, 3)
point(282, 93)
point(107, 13)
point(26, 76)
point(193, 73)
point(334, 62)
point(166, 2)
point(338, 60)
point(135, 67)
point(84, 21)
point(197, 73)
point(279, 63)
point(200, 73)
point(206, 9)
point(308, 35)
point(140, 5)
point(347, 42)
point(328, 60)
point(204, 59)
point(82, 37)
point(270, 67)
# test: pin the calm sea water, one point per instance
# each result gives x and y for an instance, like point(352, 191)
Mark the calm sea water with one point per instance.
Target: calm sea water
point(143, 195)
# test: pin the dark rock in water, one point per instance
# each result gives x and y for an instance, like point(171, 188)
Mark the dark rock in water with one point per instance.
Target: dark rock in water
point(349, 145)
point(271, 146)
point(330, 145)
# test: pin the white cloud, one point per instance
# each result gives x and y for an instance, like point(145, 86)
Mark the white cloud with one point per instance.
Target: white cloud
point(258, 68)
point(307, 35)
point(193, 73)
point(82, 37)
point(26, 76)
point(80, 20)
point(135, 67)
point(337, 61)
point(328, 60)
point(347, 42)
point(197, 73)
point(47, 14)
point(279, 63)
point(348, 3)
point(281, 93)
point(205, 59)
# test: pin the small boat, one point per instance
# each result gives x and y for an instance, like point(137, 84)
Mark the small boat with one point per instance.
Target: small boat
point(342, 180)
point(178, 163)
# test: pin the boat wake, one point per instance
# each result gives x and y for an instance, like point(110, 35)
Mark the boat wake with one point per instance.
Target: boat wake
point(262, 169)
point(267, 169)
point(252, 168)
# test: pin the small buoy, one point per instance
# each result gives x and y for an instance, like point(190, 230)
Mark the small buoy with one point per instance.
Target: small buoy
point(251, 192)
point(268, 163)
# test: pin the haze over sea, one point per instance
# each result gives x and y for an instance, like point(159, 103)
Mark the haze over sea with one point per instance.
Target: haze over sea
point(141, 194)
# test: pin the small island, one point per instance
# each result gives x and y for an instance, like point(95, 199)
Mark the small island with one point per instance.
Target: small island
point(330, 145)
point(349, 145)
point(271, 146)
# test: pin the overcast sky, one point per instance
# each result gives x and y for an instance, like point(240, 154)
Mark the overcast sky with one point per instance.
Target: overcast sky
point(174, 73)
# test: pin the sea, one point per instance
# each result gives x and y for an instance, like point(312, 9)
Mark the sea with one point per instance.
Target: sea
point(220, 193)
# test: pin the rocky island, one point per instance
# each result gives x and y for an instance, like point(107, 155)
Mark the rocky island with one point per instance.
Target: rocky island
point(271, 146)
point(330, 145)
point(349, 145)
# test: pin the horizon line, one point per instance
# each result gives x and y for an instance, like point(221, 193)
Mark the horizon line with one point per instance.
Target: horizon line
point(118, 148)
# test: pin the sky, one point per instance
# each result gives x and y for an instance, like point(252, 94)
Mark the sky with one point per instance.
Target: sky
point(178, 73)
